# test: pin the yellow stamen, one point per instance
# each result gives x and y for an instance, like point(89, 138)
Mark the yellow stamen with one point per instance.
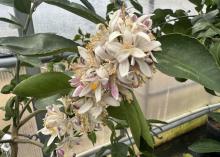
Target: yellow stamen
point(94, 85)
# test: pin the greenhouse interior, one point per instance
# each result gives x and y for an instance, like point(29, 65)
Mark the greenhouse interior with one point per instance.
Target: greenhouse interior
point(110, 78)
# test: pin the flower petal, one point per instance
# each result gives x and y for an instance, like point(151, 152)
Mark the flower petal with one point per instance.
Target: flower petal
point(114, 35)
point(96, 111)
point(124, 68)
point(102, 73)
point(138, 53)
point(145, 68)
point(84, 108)
point(83, 53)
point(122, 56)
point(78, 90)
point(100, 52)
point(114, 90)
point(98, 93)
point(85, 90)
point(111, 101)
point(52, 137)
point(127, 37)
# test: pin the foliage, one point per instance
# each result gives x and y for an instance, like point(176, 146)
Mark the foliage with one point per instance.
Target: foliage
point(190, 50)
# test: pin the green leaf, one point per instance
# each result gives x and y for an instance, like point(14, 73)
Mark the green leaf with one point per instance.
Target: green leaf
point(160, 15)
point(10, 21)
point(33, 61)
point(21, 78)
point(205, 146)
point(42, 103)
point(7, 89)
point(137, 5)
point(9, 111)
point(44, 85)
point(38, 45)
point(6, 129)
point(23, 6)
point(212, 92)
point(215, 116)
point(119, 150)
point(7, 2)
point(215, 51)
point(186, 57)
point(92, 137)
point(102, 151)
point(77, 9)
point(88, 5)
point(180, 79)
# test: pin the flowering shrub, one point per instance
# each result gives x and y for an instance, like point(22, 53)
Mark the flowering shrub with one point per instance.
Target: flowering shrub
point(95, 89)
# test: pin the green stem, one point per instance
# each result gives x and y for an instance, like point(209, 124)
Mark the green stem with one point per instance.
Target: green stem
point(126, 131)
point(25, 107)
point(26, 119)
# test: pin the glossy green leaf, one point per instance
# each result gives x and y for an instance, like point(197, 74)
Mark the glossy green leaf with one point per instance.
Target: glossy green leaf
point(44, 85)
point(205, 146)
point(7, 89)
point(33, 61)
point(23, 6)
point(88, 5)
point(119, 150)
point(92, 137)
point(77, 9)
point(137, 5)
point(38, 45)
point(186, 57)
point(6, 128)
point(10, 21)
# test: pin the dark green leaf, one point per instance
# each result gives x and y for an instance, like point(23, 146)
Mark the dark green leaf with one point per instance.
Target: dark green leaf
point(119, 150)
point(102, 151)
point(6, 129)
point(215, 116)
point(92, 137)
point(115, 112)
point(177, 59)
point(44, 85)
point(88, 5)
point(77, 9)
point(38, 45)
point(205, 146)
point(137, 5)
point(181, 79)
point(44, 102)
point(160, 15)
point(23, 6)
point(7, 89)
point(215, 51)
point(9, 111)
point(212, 92)
point(7, 2)
point(10, 21)
point(198, 4)
point(33, 61)
point(156, 121)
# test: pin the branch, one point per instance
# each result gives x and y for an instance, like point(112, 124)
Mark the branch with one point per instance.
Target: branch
point(25, 107)
point(36, 143)
point(6, 141)
point(26, 119)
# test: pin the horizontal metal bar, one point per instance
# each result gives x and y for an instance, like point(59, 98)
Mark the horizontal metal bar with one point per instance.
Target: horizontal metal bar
point(172, 124)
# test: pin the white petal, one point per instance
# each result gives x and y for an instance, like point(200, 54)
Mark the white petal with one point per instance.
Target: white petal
point(122, 56)
point(132, 61)
point(114, 35)
point(98, 93)
point(138, 53)
point(151, 46)
point(84, 108)
point(96, 111)
point(113, 48)
point(111, 101)
point(52, 137)
point(124, 68)
point(83, 53)
point(144, 67)
point(153, 58)
point(102, 73)
point(127, 37)
point(100, 52)
point(85, 90)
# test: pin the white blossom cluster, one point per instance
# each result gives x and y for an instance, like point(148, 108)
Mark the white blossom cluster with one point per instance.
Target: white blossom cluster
point(118, 57)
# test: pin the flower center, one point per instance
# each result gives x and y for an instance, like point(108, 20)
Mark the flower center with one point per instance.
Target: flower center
point(94, 85)
point(127, 45)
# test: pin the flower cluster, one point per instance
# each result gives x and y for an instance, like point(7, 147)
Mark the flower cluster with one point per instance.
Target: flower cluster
point(118, 57)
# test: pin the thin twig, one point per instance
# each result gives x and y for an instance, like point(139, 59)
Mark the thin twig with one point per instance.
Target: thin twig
point(36, 143)
point(26, 119)
point(25, 107)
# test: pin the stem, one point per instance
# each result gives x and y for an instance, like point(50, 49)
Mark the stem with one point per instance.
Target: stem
point(126, 131)
point(26, 119)
point(36, 143)
point(29, 18)
point(25, 107)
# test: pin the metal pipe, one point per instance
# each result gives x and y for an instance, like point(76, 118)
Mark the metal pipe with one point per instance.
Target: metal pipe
point(172, 124)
